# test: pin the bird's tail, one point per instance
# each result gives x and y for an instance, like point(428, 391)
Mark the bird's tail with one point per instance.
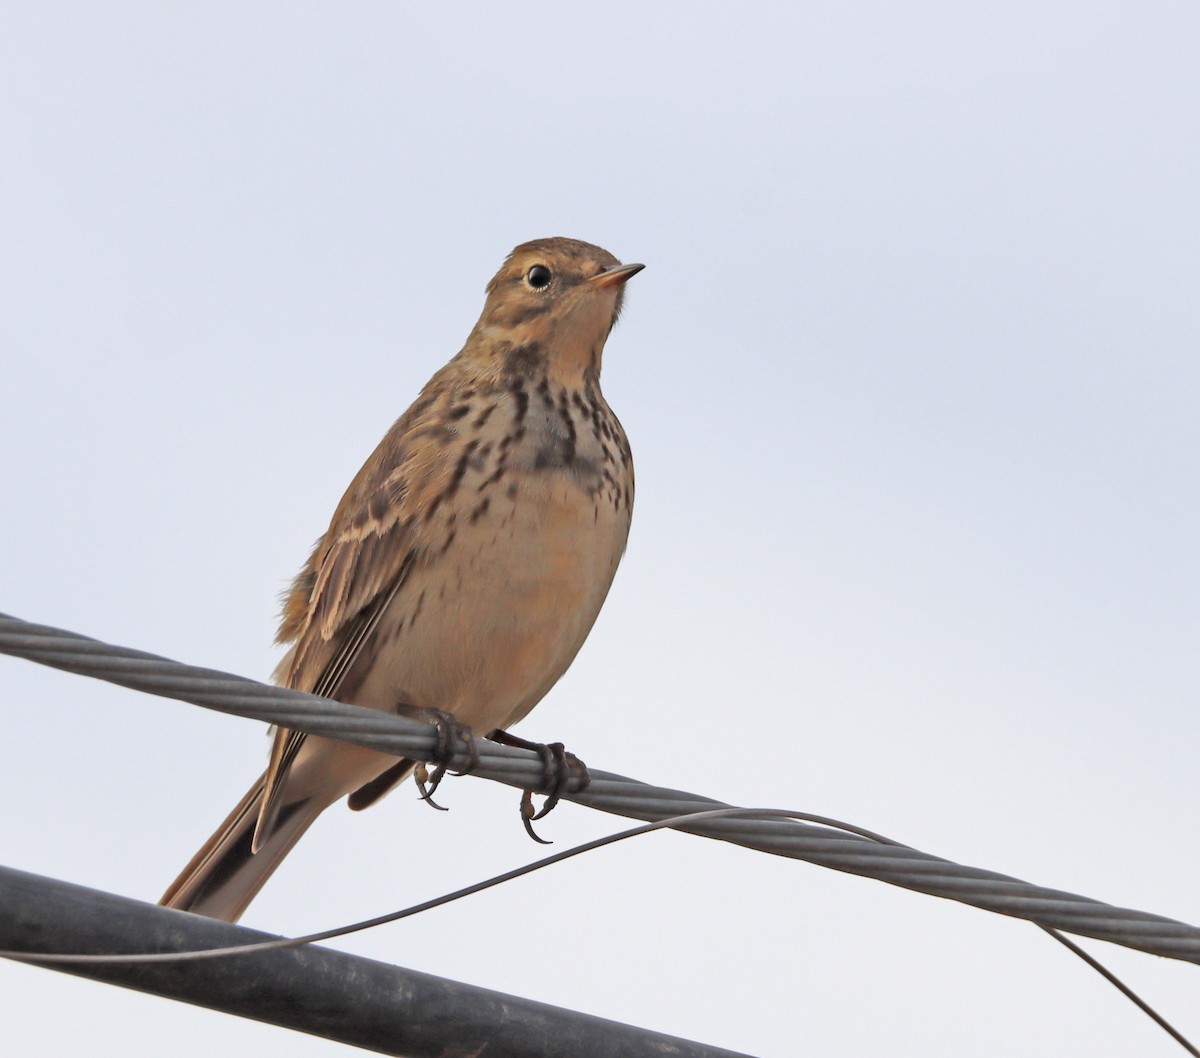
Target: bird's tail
point(224, 876)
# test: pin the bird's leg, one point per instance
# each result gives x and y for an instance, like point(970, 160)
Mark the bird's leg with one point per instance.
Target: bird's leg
point(561, 771)
point(450, 735)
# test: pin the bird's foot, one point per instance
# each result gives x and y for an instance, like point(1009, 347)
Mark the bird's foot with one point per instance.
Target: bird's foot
point(561, 772)
point(451, 735)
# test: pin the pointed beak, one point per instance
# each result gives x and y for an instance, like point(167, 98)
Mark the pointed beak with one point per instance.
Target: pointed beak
point(615, 276)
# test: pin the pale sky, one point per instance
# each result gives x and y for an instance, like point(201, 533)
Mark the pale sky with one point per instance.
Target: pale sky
point(911, 382)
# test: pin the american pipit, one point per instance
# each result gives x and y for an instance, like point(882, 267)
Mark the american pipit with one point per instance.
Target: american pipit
point(464, 566)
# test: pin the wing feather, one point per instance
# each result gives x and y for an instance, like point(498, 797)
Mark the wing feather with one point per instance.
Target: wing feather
point(356, 570)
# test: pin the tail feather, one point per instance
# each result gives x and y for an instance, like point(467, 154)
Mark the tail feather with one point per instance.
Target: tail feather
point(226, 874)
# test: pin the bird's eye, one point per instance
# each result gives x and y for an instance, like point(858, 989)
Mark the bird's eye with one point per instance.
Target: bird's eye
point(538, 277)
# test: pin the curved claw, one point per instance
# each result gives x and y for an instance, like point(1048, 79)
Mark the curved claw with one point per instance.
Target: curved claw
point(450, 734)
point(561, 771)
point(528, 816)
point(569, 773)
point(421, 775)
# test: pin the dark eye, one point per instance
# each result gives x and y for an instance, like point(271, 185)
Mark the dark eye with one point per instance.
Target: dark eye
point(538, 277)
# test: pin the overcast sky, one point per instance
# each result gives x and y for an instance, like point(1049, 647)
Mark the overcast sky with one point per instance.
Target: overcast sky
point(911, 382)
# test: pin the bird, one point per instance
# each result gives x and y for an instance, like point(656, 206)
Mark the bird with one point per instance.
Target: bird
point(463, 568)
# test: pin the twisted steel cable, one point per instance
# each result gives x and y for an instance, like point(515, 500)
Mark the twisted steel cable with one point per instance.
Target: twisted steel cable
point(895, 864)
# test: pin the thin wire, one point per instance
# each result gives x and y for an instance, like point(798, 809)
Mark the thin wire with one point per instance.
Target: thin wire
point(1124, 989)
point(437, 901)
point(529, 868)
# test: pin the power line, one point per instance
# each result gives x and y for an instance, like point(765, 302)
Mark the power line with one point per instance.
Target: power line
point(895, 864)
point(311, 989)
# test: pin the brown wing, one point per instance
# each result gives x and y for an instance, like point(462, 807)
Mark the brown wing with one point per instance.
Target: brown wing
point(356, 570)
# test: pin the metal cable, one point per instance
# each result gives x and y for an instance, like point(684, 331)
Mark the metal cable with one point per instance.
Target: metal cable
point(895, 864)
point(311, 989)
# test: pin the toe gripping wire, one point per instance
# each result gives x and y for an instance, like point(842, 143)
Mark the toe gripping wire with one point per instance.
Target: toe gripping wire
point(562, 772)
point(451, 734)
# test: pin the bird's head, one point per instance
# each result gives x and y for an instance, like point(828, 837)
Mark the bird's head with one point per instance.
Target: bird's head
point(552, 298)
